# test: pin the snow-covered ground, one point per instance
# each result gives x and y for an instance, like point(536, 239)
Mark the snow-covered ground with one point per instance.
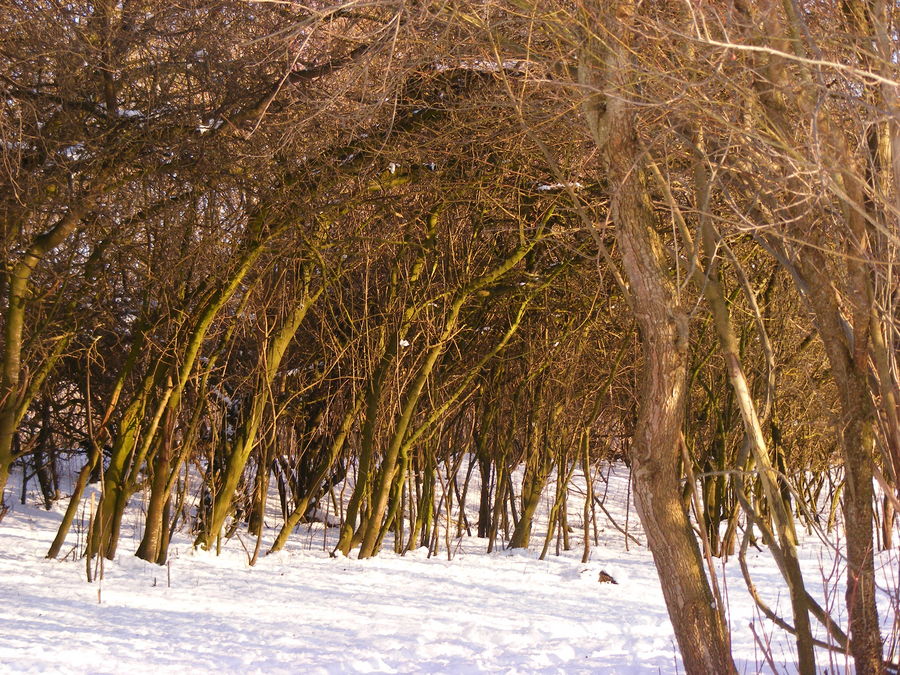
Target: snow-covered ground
point(302, 611)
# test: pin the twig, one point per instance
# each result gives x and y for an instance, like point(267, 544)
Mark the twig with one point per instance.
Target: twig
point(765, 648)
point(599, 503)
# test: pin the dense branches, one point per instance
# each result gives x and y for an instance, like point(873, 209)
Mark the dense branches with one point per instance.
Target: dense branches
point(383, 245)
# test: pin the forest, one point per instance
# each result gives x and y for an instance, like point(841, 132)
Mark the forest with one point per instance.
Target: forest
point(257, 247)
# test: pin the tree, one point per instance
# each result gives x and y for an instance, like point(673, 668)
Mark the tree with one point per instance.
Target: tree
point(696, 613)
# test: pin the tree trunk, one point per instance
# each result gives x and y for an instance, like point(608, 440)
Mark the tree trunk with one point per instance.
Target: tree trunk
point(849, 367)
point(18, 292)
point(697, 619)
point(325, 467)
point(155, 522)
point(538, 465)
point(245, 438)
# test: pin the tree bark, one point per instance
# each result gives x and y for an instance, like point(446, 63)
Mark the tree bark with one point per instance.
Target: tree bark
point(245, 438)
point(697, 619)
point(18, 292)
point(857, 430)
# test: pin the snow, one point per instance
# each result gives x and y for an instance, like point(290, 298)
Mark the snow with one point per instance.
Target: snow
point(552, 187)
point(211, 125)
point(302, 611)
point(74, 152)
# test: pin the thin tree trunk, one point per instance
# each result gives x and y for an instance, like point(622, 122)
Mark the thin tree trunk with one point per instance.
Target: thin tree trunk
point(337, 446)
point(399, 441)
point(18, 292)
point(588, 492)
point(849, 367)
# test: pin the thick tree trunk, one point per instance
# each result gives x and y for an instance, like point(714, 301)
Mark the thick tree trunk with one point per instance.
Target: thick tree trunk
point(538, 464)
point(149, 548)
point(858, 446)
point(697, 620)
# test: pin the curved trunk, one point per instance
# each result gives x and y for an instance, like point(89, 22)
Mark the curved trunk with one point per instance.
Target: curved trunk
point(327, 463)
point(696, 617)
point(18, 292)
point(246, 435)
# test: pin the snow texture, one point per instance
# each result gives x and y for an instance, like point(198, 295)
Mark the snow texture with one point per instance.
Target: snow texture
point(302, 611)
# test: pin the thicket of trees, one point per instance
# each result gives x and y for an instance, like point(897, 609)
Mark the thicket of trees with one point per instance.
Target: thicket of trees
point(248, 243)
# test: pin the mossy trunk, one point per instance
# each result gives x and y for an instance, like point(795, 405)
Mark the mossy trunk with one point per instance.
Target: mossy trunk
point(12, 399)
